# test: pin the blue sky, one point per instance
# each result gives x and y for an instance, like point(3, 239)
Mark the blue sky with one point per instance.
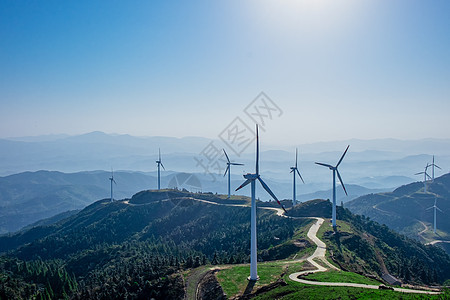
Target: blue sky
point(337, 69)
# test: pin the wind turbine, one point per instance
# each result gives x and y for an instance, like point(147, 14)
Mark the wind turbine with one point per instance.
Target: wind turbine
point(293, 171)
point(112, 180)
point(432, 169)
point(425, 177)
point(335, 171)
point(160, 164)
point(229, 163)
point(435, 208)
point(252, 178)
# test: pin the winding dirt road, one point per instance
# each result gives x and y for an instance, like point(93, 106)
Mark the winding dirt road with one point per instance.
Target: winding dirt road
point(318, 255)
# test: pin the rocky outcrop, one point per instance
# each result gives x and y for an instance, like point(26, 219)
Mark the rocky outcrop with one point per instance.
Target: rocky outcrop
point(209, 288)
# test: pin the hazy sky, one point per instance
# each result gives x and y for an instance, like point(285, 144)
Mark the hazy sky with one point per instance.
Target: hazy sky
point(336, 69)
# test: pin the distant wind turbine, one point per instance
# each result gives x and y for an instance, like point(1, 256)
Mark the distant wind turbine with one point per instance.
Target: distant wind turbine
point(432, 169)
point(335, 171)
point(252, 178)
point(160, 164)
point(293, 171)
point(435, 208)
point(229, 164)
point(112, 180)
point(425, 177)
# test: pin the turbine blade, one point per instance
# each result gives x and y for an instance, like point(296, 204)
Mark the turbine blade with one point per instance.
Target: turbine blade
point(325, 165)
point(437, 167)
point(162, 165)
point(257, 151)
point(266, 187)
point(342, 183)
point(236, 164)
point(244, 184)
point(292, 170)
point(300, 175)
point(342, 157)
point(228, 168)
point(114, 181)
point(419, 173)
point(296, 157)
point(429, 208)
point(226, 155)
point(159, 151)
point(439, 209)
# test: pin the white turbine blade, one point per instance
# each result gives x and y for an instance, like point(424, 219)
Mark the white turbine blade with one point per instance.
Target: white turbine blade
point(342, 157)
point(299, 175)
point(419, 173)
point(257, 151)
point(325, 165)
point(159, 151)
point(162, 165)
point(439, 209)
point(437, 166)
point(266, 187)
point(114, 181)
point(295, 157)
point(236, 164)
point(226, 155)
point(342, 183)
point(292, 170)
point(227, 169)
point(429, 208)
point(244, 184)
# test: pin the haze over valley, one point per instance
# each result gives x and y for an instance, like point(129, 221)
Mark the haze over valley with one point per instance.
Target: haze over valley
point(260, 149)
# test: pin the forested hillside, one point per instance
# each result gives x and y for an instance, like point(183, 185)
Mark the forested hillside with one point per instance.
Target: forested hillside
point(137, 247)
point(405, 209)
point(364, 246)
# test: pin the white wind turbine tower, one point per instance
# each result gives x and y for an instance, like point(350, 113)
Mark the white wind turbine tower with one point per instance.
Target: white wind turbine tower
point(293, 171)
point(160, 164)
point(229, 164)
point(252, 178)
point(432, 169)
point(335, 171)
point(425, 177)
point(435, 208)
point(112, 180)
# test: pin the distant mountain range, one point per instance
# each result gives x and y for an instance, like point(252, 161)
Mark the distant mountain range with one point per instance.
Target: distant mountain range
point(369, 163)
point(30, 194)
point(28, 197)
point(406, 209)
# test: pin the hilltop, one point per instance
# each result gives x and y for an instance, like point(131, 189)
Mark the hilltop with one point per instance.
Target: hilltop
point(143, 246)
point(405, 209)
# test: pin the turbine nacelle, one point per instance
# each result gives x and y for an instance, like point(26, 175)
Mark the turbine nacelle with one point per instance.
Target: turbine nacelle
point(250, 176)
